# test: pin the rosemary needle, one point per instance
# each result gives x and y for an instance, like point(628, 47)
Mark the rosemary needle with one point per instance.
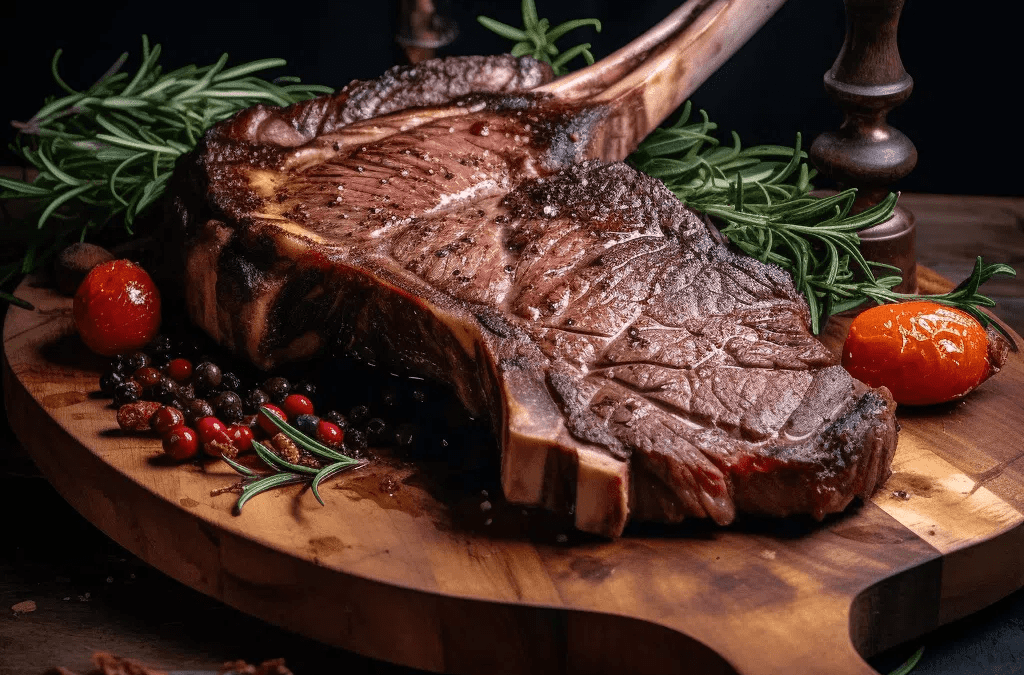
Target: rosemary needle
point(107, 153)
point(537, 38)
point(284, 472)
point(761, 198)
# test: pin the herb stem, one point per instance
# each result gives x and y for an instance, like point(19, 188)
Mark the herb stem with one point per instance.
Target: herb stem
point(284, 472)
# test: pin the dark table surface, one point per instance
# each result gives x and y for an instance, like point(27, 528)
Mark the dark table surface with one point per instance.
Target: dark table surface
point(92, 595)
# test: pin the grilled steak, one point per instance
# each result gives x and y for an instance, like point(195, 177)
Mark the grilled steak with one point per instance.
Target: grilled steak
point(632, 365)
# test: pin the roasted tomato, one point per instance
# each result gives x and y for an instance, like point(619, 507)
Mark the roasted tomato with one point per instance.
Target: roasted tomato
point(117, 308)
point(923, 352)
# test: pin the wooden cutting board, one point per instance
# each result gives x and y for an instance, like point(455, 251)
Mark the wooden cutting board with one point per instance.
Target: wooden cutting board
point(389, 569)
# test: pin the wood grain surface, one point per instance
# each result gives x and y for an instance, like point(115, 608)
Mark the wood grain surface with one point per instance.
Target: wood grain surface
point(411, 580)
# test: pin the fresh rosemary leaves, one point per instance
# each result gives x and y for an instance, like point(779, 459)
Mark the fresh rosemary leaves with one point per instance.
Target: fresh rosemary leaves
point(288, 473)
point(537, 38)
point(909, 664)
point(110, 149)
point(760, 197)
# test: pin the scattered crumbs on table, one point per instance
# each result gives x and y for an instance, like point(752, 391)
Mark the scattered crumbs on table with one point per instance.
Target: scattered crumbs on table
point(24, 607)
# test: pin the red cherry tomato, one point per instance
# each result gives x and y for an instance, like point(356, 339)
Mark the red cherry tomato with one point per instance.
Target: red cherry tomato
point(923, 352)
point(117, 308)
point(265, 423)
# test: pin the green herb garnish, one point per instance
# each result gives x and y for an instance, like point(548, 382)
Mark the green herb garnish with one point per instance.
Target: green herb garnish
point(910, 663)
point(285, 472)
point(761, 197)
point(537, 38)
point(109, 151)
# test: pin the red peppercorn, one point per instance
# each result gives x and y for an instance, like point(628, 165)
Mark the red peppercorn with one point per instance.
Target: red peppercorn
point(147, 376)
point(212, 429)
point(265, 423)
point(136, 416)
point(329, 434)
point(181, 443)
point(179, 370)
point(241, 437)
point(297, 404)
point(166, 419)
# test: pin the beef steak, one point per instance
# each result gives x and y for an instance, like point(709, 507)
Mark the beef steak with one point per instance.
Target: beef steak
point(632, 365)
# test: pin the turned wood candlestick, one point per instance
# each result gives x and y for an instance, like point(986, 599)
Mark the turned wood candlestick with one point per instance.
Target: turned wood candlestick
point(422, 29)
point(867, 81)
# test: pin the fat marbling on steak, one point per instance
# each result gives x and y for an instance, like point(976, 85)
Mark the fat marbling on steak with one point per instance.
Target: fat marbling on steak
point(632, 365)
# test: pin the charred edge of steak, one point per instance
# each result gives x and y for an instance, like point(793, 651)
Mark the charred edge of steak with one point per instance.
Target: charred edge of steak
point(435, 82)
point(851, 459)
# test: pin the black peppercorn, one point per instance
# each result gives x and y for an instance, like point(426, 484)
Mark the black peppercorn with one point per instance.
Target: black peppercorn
point(230, 382)
point(305, 388)
point(255, 399)
point(377, 432)
point(136, 360)
point(206, 377)
point(336, 418)
point(165, 391)
point(160, 361)
point(128, 391)
point(226, 399)
point(277, 388)
point(109, 382)
point(358, 415)
point(197, 409)
point(120, 365)
point(231, 414)
point(307, 424)
point(186, 391)
point(228, 405)
point(355, 442)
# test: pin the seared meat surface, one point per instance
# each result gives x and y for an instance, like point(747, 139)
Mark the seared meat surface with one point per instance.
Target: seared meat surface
point(631, 364)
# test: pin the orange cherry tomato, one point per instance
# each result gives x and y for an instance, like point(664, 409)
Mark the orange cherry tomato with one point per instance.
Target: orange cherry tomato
point(923, 352)
point(117, 308)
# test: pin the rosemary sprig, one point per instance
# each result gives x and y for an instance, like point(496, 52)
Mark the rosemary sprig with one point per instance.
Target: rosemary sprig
point(109, 150)
point(909, 664)
point(285, 472)
point(537, 38)
point(761, 195)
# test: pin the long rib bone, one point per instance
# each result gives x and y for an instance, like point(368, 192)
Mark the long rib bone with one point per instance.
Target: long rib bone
point(620, 99)
point(643, 82)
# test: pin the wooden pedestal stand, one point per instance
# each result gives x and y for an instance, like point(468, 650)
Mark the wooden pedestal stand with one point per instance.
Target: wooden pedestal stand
point(867, 81)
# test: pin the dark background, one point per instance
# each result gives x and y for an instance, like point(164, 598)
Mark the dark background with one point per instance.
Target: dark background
point(965, 59)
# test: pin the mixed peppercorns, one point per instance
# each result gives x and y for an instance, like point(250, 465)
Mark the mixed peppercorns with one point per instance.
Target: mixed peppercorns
point(202, 403)
point(199, 407)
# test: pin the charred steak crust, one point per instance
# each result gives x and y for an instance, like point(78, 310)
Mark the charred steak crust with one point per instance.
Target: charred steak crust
point(632, 365)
